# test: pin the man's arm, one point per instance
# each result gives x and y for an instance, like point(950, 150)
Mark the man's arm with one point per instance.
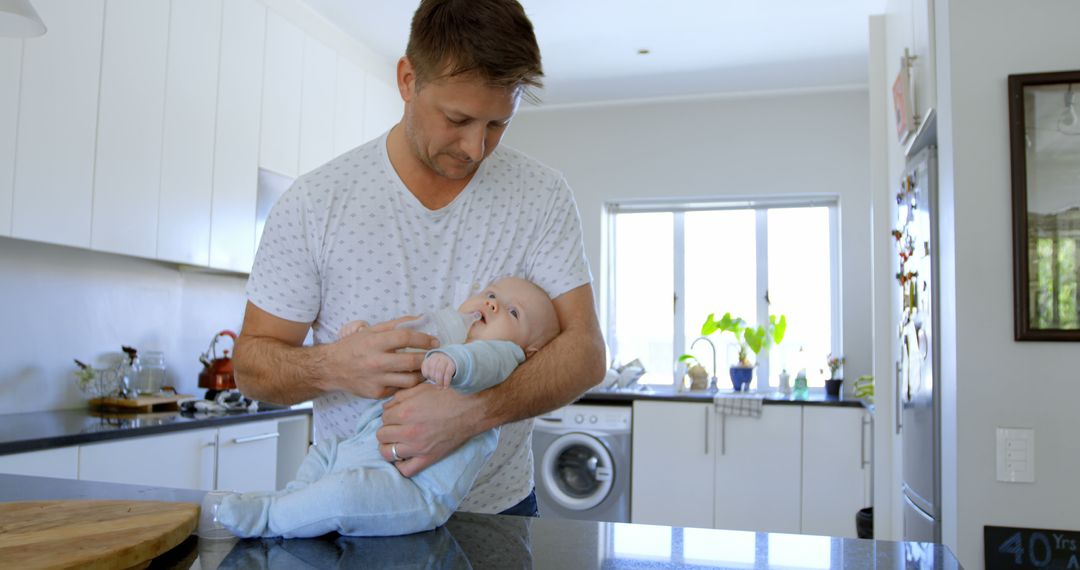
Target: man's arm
point(427, 423)
point(271, 365)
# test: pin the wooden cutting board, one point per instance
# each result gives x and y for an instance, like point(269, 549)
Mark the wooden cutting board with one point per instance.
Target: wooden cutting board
point(91, 534)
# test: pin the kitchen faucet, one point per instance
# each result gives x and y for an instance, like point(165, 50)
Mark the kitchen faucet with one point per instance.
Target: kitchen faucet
point(712, 381)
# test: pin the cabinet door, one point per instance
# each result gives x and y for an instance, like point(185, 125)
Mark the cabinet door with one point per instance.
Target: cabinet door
point(673, 464)
point(317, 109)
point(62, 463)
point(187, 156)
point(10, 72)
point(247, 457)
point(58, 103)
point(127, 173)
point(758, 462)
point(283, 76)
point(183, 460)
point(382, 106)
point(835, 469)
point(236, 149)
point(348, 107)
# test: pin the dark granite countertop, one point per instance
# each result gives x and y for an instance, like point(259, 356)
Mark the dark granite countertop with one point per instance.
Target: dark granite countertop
point(35, 431)
point(816, 397)
point(494, 541)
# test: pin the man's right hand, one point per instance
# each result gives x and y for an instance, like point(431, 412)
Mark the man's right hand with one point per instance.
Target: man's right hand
point(367, 362)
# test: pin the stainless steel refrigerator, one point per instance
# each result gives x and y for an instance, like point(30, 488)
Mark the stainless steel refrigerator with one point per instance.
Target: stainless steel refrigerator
point(918, 393)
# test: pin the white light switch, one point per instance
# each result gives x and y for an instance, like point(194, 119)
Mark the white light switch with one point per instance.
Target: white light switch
point(1016, 455)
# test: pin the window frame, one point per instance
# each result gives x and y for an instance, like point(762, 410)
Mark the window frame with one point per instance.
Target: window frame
point(678, 207)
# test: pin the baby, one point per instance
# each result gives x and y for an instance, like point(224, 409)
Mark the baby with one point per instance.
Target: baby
point(346, 486)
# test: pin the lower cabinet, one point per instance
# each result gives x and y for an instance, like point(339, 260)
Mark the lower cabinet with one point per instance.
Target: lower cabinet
point(758, 478)
point(673, 465)
point(796, 469)
point(250, 456)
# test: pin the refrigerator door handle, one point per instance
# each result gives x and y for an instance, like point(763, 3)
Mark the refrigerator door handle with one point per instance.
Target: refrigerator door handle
point(899, 404)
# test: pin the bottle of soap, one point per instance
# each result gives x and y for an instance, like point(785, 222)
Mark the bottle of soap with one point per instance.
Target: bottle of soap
point(785, 382)
point(801, 390)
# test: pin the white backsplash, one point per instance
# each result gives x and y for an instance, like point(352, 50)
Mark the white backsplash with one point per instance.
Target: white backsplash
point(59, 303)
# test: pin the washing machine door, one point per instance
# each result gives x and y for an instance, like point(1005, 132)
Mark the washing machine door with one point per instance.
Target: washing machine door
point(577, 471)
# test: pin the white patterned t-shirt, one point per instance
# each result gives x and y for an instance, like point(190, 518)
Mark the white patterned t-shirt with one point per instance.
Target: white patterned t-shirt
point(348, 241)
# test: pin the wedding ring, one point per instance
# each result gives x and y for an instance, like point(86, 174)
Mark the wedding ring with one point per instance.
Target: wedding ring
point(393, 451)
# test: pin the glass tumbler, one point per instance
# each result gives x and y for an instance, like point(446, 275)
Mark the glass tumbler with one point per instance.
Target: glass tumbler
point(152, 374)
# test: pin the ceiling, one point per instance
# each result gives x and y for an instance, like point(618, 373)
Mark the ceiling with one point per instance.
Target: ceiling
point(696, 47)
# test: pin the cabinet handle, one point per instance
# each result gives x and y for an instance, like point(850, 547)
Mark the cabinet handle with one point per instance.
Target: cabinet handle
point(899, 405)
point(723, 434)
point(706, 430)
point(259, 437)
point(862, 443)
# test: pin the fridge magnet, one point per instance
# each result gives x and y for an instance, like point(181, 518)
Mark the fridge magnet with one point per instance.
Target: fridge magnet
point(903, 103)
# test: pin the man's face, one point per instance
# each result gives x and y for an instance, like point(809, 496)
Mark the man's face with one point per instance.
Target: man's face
point(452, 124)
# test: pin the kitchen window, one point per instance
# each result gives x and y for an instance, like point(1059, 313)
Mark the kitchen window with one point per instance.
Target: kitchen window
point(669, 264)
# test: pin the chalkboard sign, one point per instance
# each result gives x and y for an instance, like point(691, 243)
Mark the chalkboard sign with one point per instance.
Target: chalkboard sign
point(1008, 547)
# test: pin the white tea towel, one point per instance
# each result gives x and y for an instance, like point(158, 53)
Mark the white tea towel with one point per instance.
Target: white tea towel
point(739, 404)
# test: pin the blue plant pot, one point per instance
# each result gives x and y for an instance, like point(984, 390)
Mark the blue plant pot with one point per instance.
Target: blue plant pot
point(740, 377)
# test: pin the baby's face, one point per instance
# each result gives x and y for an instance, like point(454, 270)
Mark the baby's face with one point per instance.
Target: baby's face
point(515, 310)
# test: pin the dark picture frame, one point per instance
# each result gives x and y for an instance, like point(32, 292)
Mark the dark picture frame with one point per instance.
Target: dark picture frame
point(1044, 140)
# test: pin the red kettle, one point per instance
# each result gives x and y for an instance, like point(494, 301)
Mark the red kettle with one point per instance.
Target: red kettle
point(217, 373)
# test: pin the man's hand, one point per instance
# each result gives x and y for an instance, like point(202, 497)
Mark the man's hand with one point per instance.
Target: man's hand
point(439, 368)
point(427, 423)
point(366, 362)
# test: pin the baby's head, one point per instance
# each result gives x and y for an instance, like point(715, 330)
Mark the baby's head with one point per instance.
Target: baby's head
point(516, 310)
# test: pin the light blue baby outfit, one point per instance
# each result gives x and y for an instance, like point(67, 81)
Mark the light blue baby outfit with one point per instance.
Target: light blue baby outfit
point(346, 486)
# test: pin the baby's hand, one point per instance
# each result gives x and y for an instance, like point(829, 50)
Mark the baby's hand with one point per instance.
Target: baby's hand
point(439, 368)
point(352, 328)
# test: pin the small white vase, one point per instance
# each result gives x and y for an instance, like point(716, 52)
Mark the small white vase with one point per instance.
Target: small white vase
point(785, 384)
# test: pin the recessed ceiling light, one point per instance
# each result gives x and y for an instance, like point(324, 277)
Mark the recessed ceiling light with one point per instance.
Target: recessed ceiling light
point(643, 51)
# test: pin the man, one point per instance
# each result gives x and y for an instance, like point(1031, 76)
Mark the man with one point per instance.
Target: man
point(417, 219)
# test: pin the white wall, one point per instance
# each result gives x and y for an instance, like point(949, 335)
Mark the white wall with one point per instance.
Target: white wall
point(59, 303)
point(998, 381)
point(775, 144)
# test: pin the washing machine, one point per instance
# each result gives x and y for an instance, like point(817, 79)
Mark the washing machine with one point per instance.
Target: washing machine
point(581, 454)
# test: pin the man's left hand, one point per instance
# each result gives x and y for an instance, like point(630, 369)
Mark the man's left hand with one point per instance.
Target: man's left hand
point(424, 424)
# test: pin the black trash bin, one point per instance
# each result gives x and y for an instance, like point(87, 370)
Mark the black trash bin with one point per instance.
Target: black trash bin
point(864, 522)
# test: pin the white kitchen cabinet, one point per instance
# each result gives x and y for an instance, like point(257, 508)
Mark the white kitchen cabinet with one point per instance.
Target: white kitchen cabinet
point(317, 107)
point(127, 173)
point(247, 457)
point(10, 71)
point(758, 476)
point(673, 464)
point(236, 148)
point(382, 106)
point(836, 469)
point(187, 156)
point(181, 459)
point(348, 107)
point(61, 463)
point(283, 76)
point(58, 104)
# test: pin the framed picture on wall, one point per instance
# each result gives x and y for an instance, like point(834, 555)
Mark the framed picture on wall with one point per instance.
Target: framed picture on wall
point(903, 103)
point(1044, 140)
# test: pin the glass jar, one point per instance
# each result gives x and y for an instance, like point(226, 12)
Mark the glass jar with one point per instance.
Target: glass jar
point(151, 372)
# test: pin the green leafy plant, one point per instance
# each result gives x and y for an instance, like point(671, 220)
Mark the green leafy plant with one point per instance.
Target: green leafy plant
point(834, 362)
point(750, 338)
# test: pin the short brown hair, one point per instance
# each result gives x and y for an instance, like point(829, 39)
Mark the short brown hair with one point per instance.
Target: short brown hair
point(492, 38)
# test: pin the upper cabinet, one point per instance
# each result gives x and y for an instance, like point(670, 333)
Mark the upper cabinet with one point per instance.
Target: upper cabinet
point(236, 146)
point(57, 127)
point(283, 75)
point(187, 155)
point(317, 106)
point(127, 171)
point(139, 126)
point(10, 64)
point(348, 107)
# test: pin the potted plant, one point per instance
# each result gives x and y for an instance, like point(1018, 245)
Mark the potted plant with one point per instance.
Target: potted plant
point(756, 339)
point(832, 385)
point(699, 377)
